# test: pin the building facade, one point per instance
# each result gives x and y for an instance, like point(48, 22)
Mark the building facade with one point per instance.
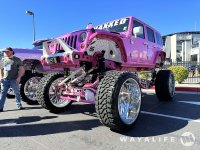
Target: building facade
point(182, 46)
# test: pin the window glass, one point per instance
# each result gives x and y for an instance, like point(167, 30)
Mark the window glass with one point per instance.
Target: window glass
point(38, 47)
point(120, 25)
point(150, 34)
point(158, 38)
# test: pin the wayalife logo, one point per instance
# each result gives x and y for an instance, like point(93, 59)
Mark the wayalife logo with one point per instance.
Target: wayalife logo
point(187, 139)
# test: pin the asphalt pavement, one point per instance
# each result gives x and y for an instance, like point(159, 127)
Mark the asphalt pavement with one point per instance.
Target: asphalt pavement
point(161, 125)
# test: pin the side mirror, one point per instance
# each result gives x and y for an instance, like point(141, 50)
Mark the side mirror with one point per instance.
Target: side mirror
point(138, 31)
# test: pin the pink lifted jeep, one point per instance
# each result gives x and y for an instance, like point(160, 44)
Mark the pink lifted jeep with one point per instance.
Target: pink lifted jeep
point(101, 66)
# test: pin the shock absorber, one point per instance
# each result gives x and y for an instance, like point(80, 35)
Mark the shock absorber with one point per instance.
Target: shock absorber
point(66, 72)
point(101, 63)
point(33, 68)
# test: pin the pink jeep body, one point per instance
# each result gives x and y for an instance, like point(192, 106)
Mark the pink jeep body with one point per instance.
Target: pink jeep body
point(122, 49)
point(100, 67)
point(126, 44)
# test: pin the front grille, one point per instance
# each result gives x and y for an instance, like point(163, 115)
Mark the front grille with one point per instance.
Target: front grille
point(70, 40)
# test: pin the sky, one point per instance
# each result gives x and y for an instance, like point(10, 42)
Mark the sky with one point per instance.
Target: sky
point(57, 17)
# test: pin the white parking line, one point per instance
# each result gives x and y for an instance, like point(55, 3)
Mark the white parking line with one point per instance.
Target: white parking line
point(181, 92)
point(188, 102)
point(168, 116)
point(185, 92)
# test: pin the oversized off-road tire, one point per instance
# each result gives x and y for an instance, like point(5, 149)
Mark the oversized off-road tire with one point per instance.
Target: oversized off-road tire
point(165, 85)
point(48, 94)
point(28, 87)
point(118, 100)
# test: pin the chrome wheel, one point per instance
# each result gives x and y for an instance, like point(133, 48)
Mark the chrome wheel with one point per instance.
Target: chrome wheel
point(30, 88)
point(129, 101)
point(55, 93)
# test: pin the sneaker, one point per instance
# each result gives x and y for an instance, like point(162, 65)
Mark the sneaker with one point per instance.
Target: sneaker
point(21, 108)
point(1, 110)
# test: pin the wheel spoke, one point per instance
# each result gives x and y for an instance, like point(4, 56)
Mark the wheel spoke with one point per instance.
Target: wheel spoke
point(129, 101)
point(55, 93)
point(30, 88)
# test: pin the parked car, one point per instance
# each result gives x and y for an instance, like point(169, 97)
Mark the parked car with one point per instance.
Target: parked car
point(33, 71)
point(191, 68)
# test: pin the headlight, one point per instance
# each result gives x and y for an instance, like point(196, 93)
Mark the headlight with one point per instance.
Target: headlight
point(83, 36)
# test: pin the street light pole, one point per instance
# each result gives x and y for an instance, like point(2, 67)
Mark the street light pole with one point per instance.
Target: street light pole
point(32, 14)
point(33, 27)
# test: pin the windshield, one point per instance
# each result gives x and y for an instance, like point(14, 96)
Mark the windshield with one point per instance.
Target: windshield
point(120, 25)
point(39, 44)
point(38, 47)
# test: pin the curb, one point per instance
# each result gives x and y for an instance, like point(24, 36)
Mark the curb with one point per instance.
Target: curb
point(185, 89)
point(188, 89)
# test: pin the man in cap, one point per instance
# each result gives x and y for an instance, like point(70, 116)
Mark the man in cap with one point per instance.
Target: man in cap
point(10, 76)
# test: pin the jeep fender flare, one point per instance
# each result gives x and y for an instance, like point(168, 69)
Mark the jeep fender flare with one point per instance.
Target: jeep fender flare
point(33, 64)
point(113, 38)
point(160, 58)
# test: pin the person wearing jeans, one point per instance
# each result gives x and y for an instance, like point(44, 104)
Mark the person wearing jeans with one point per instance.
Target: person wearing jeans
point(10, 75)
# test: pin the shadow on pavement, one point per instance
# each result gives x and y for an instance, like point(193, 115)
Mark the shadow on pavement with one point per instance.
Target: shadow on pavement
point(25, 108)
point(151, 125)
point(146, 125)
point(22, 120)
point(75, 108)
point(47, 128)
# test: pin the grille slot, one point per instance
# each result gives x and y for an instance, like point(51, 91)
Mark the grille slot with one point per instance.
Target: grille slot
point(71, 41)
point(75, 39)
point(65, 40)
point(68, 40)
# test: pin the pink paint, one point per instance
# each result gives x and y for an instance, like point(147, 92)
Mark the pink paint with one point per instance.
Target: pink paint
point(75, 99)
point(125, 44)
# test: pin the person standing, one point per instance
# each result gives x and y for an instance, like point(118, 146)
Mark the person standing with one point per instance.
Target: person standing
point(10, 75)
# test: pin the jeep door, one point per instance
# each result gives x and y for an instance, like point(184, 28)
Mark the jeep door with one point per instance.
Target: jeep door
point(138, 45)
point(152, 45)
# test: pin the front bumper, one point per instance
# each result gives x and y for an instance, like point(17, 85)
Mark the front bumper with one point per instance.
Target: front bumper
point(69, 58)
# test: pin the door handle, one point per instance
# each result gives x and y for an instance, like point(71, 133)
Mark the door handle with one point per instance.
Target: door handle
point(145, 43)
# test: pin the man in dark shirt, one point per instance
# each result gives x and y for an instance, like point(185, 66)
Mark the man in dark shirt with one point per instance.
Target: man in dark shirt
point(10, 75)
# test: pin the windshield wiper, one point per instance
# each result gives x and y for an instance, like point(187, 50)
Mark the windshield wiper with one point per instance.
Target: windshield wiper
point(114, 32)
